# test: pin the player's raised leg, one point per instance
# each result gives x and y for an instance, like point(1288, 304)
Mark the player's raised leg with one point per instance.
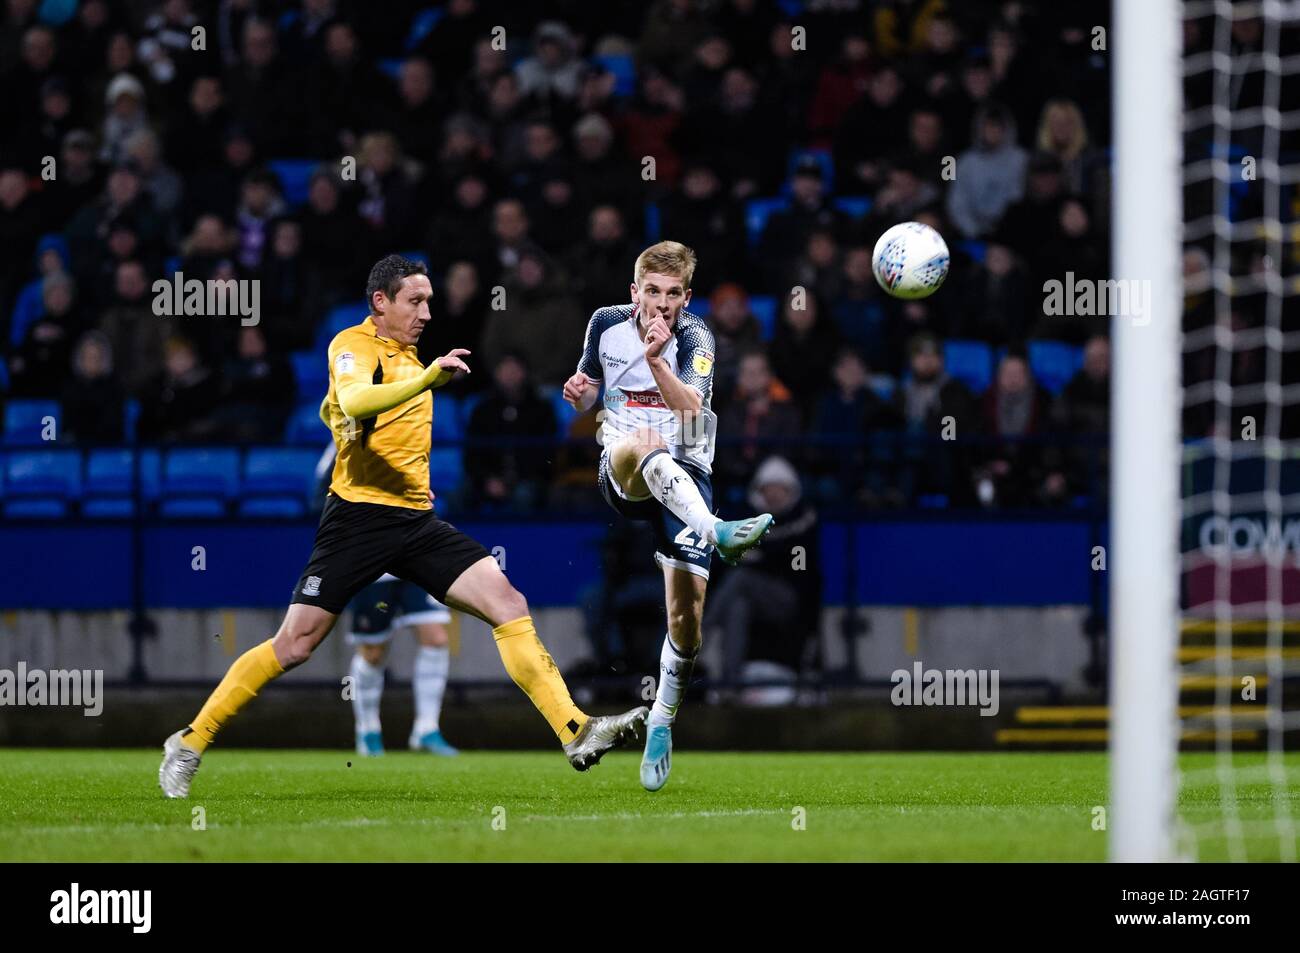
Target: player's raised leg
point(643, 467)
point(484, 591)
point(304, 627)
point(685, 596)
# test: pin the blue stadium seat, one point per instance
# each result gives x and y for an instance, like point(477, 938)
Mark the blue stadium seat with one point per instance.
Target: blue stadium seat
point(305, 426)
point(971, 362)
point(310, 375)
point(446, 463)
point(417, 255)
point(564, 414)
point(623, 66)
point(422, 25)
point(130, 419)
point(196, 508)
point(883, 385)
point(280, 472)
point(854, 206)
point(24, 421)
point(108, 474)
point(391, 67)
point(467, 405)
point(764, 308)
point(757, 212)
point(273, 507)
point(448, 420)
point(653, 223)
point(974, 250)
point(212, 472)
point(39, 484)
point(1054, 363)
point(336, 319)
point(295, 178)
point(822, 157)
point(699, 306)
point(108, 508)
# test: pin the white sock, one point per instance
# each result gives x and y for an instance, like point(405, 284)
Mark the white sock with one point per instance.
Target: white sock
point(431, 665)
point(367, 690)
point(674, 675)
point(674, 488)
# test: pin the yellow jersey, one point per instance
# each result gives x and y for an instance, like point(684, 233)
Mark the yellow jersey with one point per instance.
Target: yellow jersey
point(383, 459)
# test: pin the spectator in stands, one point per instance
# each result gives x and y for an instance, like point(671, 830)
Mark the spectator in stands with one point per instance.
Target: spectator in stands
point(51, 258)
point(1014, 469)
point(20, 226)
point(818, 268)
point(93, 401)
point(387, 199)
point(135, 334)
point(604, 175)
point(330, 226)
point(992, 174)
point(122, 224)
point(256, 392)
point(735, 330)
point(126, 116)
point(599, 266)
point(177, 406)
point(259, 205)
point(38, 366)
point(80, 179)
point(457, 317)
point(506, 465)
point(1083, 410)
point(201, 129)
point(996, 303)
point(291, 297)
point(1062, 133)
point(540, 321)
point(550, 78)
point(55, 119)
point(907, 189)
point(700, 215)
point(870, 128)
point(342, 91)
point(858, 311)
point(420, 109)
point(1070, 250)
point(807, 342)
point(937, 411)
point(510, 233)
point(265, 93)
point(856, 448)
point(462, 228)
point(761, 420)
point(842, 82)
point(157, 180)
point(650, 124)
point(787, 232)
point(214, 186)
point(735, 132)
point(769, 607)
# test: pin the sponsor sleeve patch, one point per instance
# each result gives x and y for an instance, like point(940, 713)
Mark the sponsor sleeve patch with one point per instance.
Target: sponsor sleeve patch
point(702, 363)
point(344, 363)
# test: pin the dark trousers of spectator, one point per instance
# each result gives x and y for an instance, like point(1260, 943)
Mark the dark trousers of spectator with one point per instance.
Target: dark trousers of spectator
point(746, 596)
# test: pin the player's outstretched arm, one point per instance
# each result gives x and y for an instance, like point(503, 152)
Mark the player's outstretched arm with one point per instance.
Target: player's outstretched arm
point(361, 400)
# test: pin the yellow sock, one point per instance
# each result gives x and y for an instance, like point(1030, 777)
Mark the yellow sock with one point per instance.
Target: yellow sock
point(533, 670)
point(243, 681)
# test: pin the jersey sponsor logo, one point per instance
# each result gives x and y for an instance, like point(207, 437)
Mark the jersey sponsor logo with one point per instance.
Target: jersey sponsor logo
point(344, 362)
point(702, 362)
point(312, 586)
point(644, 398)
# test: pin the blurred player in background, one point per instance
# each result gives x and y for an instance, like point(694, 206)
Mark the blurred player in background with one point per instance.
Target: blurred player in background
point(658, 431)
point(378, 611)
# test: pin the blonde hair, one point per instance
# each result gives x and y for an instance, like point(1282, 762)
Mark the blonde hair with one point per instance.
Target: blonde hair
point(666, 258)
point(1077, 143)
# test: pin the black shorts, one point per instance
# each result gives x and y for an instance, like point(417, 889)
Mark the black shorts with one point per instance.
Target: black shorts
point(357, 543)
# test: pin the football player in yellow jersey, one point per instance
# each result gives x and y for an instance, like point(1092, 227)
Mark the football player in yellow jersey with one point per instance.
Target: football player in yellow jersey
point(379, 518)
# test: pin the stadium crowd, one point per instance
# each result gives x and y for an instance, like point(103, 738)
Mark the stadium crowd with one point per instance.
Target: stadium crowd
point(527, 152)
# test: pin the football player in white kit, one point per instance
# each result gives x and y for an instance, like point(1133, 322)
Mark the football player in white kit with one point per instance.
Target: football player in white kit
point(656, 362)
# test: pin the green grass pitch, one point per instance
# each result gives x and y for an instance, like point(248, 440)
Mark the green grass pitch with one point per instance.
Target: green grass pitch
point(64, 805)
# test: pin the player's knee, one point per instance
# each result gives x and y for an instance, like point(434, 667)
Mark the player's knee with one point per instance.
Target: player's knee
point(510, 605)
point(372, 654)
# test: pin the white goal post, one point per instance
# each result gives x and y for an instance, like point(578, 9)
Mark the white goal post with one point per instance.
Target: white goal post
point(1144, 562)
